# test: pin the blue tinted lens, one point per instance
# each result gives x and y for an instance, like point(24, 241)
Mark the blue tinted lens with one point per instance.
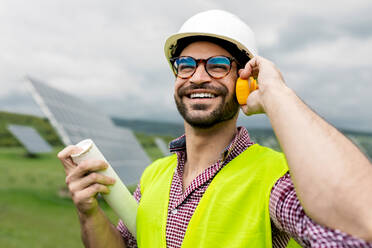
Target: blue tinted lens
point(219, 60)
point(185, 66)
point(218, 66)
point(185, 62)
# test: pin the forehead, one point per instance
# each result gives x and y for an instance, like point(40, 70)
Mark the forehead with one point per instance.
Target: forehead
point(203, 50)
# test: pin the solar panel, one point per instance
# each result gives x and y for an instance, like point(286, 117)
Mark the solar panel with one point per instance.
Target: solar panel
point(76, 120)
point(30, 139)
point(162, 146)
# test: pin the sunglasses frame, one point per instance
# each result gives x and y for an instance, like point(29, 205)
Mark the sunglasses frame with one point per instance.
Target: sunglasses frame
point(204, 61)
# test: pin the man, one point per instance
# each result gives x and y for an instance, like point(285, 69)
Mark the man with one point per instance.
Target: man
point(220, 189)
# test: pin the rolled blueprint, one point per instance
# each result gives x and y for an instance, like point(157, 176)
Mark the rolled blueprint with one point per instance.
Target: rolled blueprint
point(119, 198)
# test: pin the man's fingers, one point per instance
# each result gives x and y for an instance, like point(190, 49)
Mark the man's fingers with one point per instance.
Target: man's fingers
point(83, 181)
point(85, 200)
point(251, 68)
point(64, 157)
point(88, 180)
point(262, 69)
point(253, 104)
point(85, 167)
point(268, 78)
point(90, 192)
point(68, 151)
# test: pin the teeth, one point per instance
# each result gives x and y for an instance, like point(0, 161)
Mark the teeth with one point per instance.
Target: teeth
point(201, 95)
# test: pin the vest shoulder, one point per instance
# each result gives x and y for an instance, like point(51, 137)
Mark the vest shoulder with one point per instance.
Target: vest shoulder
point(161, 162)
point(157, 168)
point(263, 151)
point(263, 156)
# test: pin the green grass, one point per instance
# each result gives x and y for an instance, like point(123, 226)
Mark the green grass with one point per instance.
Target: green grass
point(32, 214)
point(42, 126)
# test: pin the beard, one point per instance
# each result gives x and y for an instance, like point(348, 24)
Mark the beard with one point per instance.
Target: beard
point(225, 110)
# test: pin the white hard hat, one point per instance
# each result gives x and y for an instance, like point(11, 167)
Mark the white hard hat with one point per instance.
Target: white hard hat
point(216, 24)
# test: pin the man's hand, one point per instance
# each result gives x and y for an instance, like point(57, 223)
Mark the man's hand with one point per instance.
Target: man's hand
point(84, 184)
point(83, 181)
point(269, 79)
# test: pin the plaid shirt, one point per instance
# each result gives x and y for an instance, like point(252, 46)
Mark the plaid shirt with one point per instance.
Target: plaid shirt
point(287, 215)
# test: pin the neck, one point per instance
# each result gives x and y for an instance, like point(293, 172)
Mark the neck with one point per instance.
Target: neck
point(205, 146)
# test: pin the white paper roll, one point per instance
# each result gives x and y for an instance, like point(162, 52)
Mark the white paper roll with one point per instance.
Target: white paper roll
point(119, 198)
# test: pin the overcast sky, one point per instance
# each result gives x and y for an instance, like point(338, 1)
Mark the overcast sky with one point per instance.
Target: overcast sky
point(110, 53)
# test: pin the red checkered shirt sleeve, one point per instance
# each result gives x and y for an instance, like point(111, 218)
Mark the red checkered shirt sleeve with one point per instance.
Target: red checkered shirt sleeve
point(288, 215)
point(128, 238)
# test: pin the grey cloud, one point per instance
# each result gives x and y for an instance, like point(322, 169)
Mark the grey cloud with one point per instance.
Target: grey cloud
point(114, 50)
point(304, 30)
point(343, 99)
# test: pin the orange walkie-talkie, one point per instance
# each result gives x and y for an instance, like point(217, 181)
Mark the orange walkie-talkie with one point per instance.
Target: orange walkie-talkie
point(244, 88)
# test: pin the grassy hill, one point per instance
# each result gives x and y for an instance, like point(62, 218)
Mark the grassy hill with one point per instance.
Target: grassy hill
point(42, 125)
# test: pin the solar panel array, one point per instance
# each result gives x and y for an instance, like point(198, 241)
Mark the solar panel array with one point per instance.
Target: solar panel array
point(76, 120)
point(30, 139)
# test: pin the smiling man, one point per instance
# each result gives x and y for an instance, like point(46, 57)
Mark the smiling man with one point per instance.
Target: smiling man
point(220, 189)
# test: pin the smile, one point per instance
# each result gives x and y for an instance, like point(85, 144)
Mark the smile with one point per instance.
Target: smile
point(202, 95)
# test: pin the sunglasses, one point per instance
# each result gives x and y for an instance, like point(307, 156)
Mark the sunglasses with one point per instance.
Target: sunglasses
point(217, 66)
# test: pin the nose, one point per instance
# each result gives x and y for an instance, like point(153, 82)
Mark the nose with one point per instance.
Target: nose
point(200, 75)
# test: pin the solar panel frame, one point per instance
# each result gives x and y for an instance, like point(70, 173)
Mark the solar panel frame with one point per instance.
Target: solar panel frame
point(30, 139)
point(75, 120)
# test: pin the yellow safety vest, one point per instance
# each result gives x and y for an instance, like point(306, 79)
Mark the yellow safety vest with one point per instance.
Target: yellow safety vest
point(233, 212)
